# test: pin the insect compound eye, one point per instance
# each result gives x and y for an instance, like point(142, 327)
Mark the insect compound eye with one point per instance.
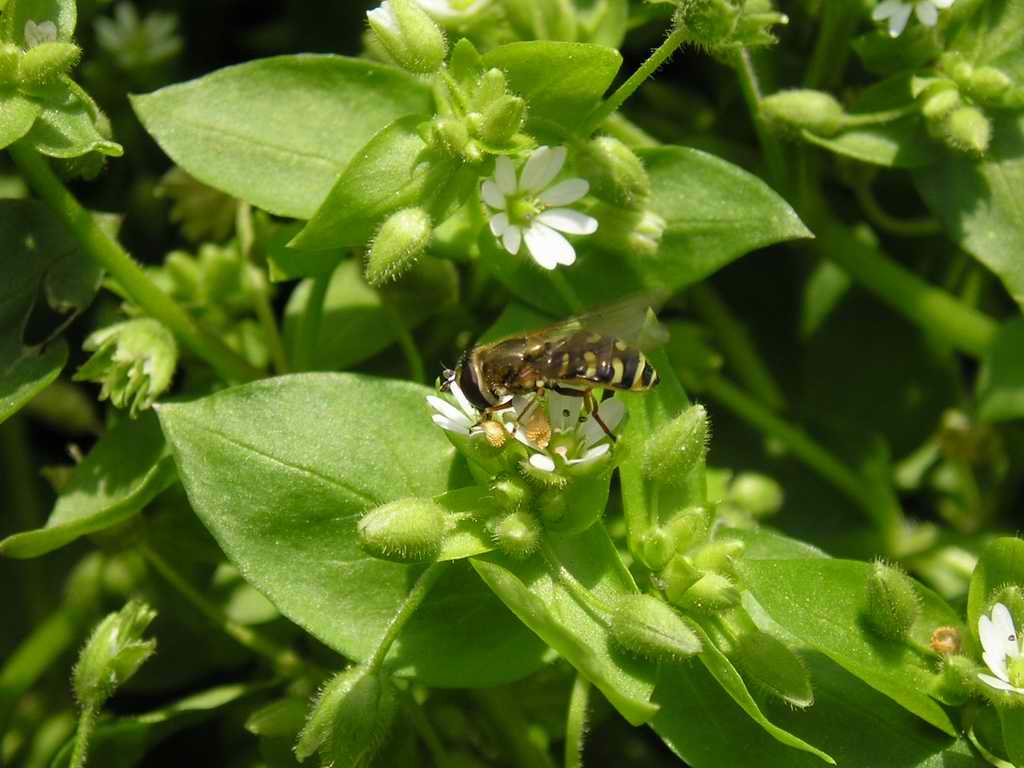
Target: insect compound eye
point(444, 381)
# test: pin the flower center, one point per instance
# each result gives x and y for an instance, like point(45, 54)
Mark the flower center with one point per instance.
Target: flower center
point(523, 209)
point(1015, 670)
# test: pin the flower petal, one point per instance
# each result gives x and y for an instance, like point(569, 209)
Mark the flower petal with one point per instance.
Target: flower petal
point(449, 411)
point(943, 4)
point(385, 17)
point(543, 165)
point(467, 407)
point(591, 455)
point(499, 223)
point(611, 411)
point(1007, 635)
point(569, 221)
point(548, 248)
point(563, 411)
point(886, 8)
point(565, 192)
point(1001, 685)
point(449, 425)
point(898, 21)
point(511, 238)
point(491, 194)
point(927, 13)
point(505, 175)
point(542, 462)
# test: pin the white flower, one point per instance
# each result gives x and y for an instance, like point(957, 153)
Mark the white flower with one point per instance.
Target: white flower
point(43, 32)
point(573, 442)
point(898, 13)
point(385, 17)
point(465, 420)
point(528, 208)
point(999, 643)
point(452, 10)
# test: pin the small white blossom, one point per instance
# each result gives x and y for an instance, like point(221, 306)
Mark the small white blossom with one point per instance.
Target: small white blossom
point(573, 442)
point(530, 209)
point(43, 32)
point(999, 644)
point(464, 420)
point(452, 10)
point(898, 13)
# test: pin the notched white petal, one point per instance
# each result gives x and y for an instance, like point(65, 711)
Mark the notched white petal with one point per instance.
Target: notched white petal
point(505, 175)
point(542, 462)
point(569, 221)
point(548, 247)
point(927, 13)
point(565, 192)
point(499, 223)
point(491, 194)
point(512, 238)
point(448, 410)
point(542, 167)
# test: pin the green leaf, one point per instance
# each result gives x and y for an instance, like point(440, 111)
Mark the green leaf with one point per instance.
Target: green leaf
point(63, 13)
point(126, 469)
point(542, 600)
point(123, 742)
point(901, 143)
point(17, 114)
point(280, 471)
point(277, 132)
point(385, 176)
point(715, 212)
point(978, 201)
point(28, 375)
point(1001, 382)
point(66, 127)
point(1000, 565)
point(605, 22)
point(822, 601)
point(1012, 721)
point(561, 82)
point(360, 321)
point(765, 544)
point(993, 35)
point(885, 55)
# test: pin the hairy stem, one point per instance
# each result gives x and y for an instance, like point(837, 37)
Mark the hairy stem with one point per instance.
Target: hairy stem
point(576, 722)
point(98, 246)
point(420, 590)
point(86, 725)
point(774, 156)
point(256, 288)
point(832, 49)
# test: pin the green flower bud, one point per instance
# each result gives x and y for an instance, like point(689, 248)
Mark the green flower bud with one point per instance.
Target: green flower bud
point(718, 555)
point(502, 119)
point(407, 530)
point(709, 22)
point(689, 528)
point(10, 58)
point(678, 576)
point(677, 447)
point(518, 534)
point(615, 173)
point(988, 84)
point(465, 64)
point(968, 130)
point(399, 242)
point(958, 678)
point(711, 592)
point(647, 627)
point(656, 548)
point(113, 653)
point(409, 35)
point(449, 135)
point(350, 718)
point(625, 230)
point(284, 717)
point(133, 363)
point(817, 111)
point(511, 493)
point(542, 477)
point(771, 664)
point(47, 61)
point(755, 493)
point(938, 106)
point(892, 602)
point(492, 86)
point(552, 506)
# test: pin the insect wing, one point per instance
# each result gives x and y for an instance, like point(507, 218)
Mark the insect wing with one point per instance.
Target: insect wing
point(631, 320)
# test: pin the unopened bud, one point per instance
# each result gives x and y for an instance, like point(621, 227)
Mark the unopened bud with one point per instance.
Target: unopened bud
point(284, 717)
point(465, 63)
point(518, 534)
point(689, 528)
point(816, 111)
point(448, 134)
point(491, 87)
point(636, 232)
point(718, 555)
point(350, 718)
point(938, 106)
point(10, 56)
point(502, 119)
point(677, 447)
point(945, 641)
point(656, 548)
point(47, 61)
point(678, 576)
point(399, 242)
point(409, 35)
point(959, 675)
point(615, 173)
point(771, 664)
point(407, 530)
point(113, 653)
point(711, 592)
point(511, 493)
point(542, 470)
point(708, 22)
point(988, 84)
point(552, 507)
point(647, 627)
point(892, 602)
point(755, 493)
point(968, 129)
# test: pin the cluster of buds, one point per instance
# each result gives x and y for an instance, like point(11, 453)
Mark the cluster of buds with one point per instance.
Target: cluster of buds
point(38, 58)
point(728, 25)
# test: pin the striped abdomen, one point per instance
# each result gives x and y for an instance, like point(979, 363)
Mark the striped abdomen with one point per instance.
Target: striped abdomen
point(588, 359)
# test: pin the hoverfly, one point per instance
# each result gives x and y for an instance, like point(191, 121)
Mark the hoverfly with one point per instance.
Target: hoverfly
point(596, 350)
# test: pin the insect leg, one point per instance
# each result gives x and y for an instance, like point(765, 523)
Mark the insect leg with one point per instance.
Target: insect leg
point(592, 405)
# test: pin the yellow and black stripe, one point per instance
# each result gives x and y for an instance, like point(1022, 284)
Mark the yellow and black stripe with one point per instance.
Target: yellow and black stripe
point(602, 361)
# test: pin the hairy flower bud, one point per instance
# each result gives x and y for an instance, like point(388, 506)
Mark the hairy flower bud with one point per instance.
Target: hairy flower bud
point(409, 35)
point(113, 653)
point(968, 130)
point(959, 675)
point(636, 232)
point(407, 530)
point(892, 602)
point(47, 61)
point(988, 84)
point(647, 627)
point(775, 668)
point(615, 173)
point(688, 528)
point(656, 548)
point(678, 576)
point(511, 493)
point(718, 555)
point(134, 362)
point(401, 239)
point(350, 718)
point(816, 111)
point(518, 534)
point(501, 120)
point(757, 494)
point(711, 592)
point(677, 447)
point(939, 104)
point(10, 59)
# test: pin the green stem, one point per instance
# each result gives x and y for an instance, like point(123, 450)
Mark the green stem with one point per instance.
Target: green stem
point(815, 456)
point(774, 157)
point(98, 246)
point(413, 358)
point(736, 345)
point(86, 725)
point(24, 506)
point(832, 50)
point(628, 133)
point(283, 659)
point(877, 118)
point(895, 226)
point(256, 285)
point(421, 588)
point(576, 722)
point(312, 318)
point(644, 71)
